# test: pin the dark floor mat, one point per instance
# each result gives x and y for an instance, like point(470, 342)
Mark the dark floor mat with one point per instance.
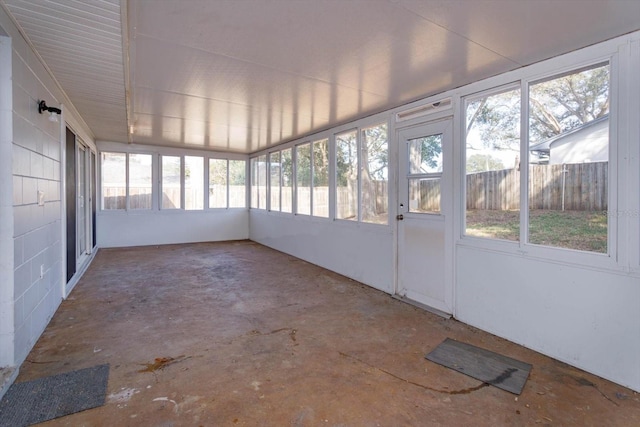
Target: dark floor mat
point(36, 401)
point(484, 365)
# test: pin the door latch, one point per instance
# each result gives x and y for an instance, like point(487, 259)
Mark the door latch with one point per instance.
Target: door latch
point(400, 217)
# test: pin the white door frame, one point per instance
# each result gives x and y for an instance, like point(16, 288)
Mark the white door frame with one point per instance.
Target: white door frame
point(441, 224)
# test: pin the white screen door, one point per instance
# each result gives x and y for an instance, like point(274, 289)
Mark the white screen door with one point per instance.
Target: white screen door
point(425, 215)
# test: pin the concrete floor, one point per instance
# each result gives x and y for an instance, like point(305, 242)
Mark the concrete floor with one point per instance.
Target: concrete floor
point(236, 334)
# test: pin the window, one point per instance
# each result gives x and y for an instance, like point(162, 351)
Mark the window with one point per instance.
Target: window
point(193, 183)
point(568, 160)
point(114, 181)
point(566, 144)
point(171, 188)
point(217, 183)
point(286, 192)
point(492, 148)
point(262, 181)
point(275, 169)
point(425, 173)
point(237, 184)
point(303, 179)
point(259, 182)
point(254, 182)
point(347, 176)
point(127, 182)
point(362, 169)
point(320, 199)
point(374, 175)
point(140, 181)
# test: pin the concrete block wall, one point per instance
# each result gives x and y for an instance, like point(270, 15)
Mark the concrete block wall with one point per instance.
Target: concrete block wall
point(32, 235)
point(37, 228)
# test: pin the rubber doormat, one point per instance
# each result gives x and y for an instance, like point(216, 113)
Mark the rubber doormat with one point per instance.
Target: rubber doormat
point(44, 399)
point(484, 365)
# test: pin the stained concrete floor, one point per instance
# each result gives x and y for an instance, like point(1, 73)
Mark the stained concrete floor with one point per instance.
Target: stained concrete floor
point(236, 334)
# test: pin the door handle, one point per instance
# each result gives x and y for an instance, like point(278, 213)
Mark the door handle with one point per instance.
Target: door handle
point(400, 217)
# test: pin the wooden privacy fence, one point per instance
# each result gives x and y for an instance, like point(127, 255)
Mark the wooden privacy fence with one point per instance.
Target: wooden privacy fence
point(114, 197)
point(346, 200)
point(579, 187)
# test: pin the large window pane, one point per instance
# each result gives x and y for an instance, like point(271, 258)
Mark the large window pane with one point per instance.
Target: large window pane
point(274, 177)
point(237, 184)
point(321, 178)
point(262, 182)
point(303, 179)
point(140, 181)
point(217, 183)
point(286, 189)
point(568, 160)
point(374, 175)
point(493, 167)
point(255, 172)
point(425, 172)
point(114, 181)
point(171, 188)
point(347, 176)
point(193, 183)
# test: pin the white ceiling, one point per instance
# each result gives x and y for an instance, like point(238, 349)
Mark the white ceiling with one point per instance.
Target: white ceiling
point(81, 43)
point(244, 75)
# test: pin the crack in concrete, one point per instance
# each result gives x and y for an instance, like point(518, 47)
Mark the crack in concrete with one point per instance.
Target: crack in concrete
point(585, 382)
point(501, 377)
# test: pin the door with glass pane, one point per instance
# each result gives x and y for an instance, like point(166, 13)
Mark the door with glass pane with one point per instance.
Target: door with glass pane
point(425, 216)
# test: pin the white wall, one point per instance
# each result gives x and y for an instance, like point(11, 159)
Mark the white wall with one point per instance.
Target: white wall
point(363, 252)
point(35, 164)
point(117, 229)
point(585, 317)
point(581, 308)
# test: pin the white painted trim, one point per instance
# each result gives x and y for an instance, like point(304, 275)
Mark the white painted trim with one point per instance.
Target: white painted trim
point(631, 122)
point(63, 201)
point(7, 291)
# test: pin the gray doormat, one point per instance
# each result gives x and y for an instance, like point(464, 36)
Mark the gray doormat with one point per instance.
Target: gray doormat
point(484, 365)
point(44, 399)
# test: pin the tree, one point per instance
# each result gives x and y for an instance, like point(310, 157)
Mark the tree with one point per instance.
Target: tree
point(303, 165)
point(321, 163)
point(218, 172)
point(287, 168)
point(237, 172)
point(567, 102)
point(425, 154)
point(556, 106)
point(374, 155)
point(483, 162)
point(496, 120)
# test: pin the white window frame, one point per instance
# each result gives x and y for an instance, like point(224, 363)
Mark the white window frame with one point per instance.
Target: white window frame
point(522, 79)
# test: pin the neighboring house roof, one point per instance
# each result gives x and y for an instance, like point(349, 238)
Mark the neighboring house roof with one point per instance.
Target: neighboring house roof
point(587, 132)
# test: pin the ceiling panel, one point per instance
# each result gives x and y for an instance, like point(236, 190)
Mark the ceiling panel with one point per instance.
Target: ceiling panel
point(244, 75)
point(81, 43)
point(529, 31)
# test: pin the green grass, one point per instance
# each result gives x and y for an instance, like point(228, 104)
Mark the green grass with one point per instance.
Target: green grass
point(581, 230)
